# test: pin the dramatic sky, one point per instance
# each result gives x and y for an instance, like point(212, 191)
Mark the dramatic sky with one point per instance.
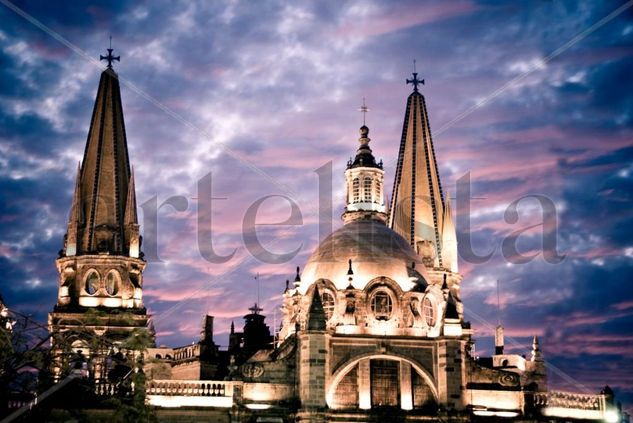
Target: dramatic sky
point(526, 98)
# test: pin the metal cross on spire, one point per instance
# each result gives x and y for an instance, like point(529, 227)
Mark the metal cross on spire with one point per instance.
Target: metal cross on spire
point(415, 81)
point(110, 58)
point(364, 109)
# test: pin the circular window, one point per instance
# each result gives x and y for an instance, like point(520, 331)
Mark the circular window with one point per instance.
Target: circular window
point(429, 312)
point(112, 282)
point(327, 300)
point(381, 305)
point(92, 283)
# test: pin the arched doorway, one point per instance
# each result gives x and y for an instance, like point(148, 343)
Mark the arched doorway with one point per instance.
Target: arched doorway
point(381, 380)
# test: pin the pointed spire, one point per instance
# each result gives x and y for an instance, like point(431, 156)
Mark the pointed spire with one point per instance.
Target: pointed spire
point(316, 314)
point(75, 210)
point(298, 278)
point(131, 217)
point(536, 350)
point(105, 176)
point(417, 205)
point(75, 217)
point(287, 286)
point(232, 327)
point(449, 238)
point(451, 308)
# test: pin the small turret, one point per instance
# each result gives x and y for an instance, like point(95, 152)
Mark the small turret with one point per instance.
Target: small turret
point(536, 350)
point(499, 341)
point(298, 278)
point(365, 179)
point(350, 276)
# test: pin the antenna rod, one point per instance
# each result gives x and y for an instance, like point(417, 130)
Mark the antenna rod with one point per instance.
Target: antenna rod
point(498, 306)
point(257, 279)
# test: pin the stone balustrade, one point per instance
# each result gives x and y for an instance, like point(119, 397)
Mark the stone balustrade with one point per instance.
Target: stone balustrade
point(570, 400)
point(204, 388)
point(571, 405)
point(195, 393)
point(106, 389)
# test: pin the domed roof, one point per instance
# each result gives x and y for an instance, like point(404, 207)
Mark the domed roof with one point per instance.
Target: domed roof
point(375, 251)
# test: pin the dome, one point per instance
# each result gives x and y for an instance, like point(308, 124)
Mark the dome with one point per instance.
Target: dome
point(375, 251)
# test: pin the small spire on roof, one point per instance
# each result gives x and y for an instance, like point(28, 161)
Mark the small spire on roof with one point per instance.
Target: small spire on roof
point(536, 350)
point(445, 288)
point(298, 277)
point(349, 269)
point(316, 314)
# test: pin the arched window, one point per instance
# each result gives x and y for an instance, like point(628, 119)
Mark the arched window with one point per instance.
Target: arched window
point(378, 194)
point(92, 282)
point(355, 190)
point(112, 282)
point(367, 190)
point(327, 300)
point(381, 305)
point(429, 312)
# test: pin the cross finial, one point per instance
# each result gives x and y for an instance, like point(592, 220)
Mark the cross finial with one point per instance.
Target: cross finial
point(364, 109)
point(415, 81)
point(256, 309)
point(110, 58)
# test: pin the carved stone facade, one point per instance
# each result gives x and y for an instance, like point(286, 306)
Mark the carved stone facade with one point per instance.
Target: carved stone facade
point(373, 327)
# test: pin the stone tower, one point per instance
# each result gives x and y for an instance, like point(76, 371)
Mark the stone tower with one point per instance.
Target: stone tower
point(420, 212)
point(313, 363)
point(101, 265)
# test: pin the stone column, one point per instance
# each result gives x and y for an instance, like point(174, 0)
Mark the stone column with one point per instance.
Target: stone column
point(406, 393)
point(364, 385)
point(452, 374)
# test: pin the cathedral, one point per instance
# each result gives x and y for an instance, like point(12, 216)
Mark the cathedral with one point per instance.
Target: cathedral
point(373, 324)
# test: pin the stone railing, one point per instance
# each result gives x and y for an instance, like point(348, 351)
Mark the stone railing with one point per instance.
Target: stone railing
point(570, 400)
point(194, 393)
point(202, 388)
point(107, 389)
point(187, 352)
point(571, 404)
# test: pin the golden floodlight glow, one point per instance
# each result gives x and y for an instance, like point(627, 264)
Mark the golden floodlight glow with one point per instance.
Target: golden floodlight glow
point(611, 416)
point(258, 406)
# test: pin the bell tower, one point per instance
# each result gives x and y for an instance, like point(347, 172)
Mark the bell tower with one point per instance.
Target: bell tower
point(101, 264)
point(364, 180)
